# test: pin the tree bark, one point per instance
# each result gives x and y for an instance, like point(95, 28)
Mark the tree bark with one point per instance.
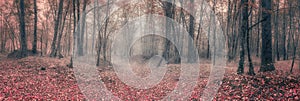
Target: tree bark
point(243, 31)
point(251, 67)
point(284, 34)
point(168, 13)
point(277, 31)
point(266, 54)
point(59, 16)
point(23, 40)
point(58, 49)
point(34, 44)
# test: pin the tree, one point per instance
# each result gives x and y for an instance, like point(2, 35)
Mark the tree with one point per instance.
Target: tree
point(168, 10)
point(191, 33)
point(82, 30)
point(34, 44)
point(59, 16)
point(295, 41)
point(23, 40)
point(266, 51)
point(58, 48)
point(277, 31)
point(251, 67)
point(284, 34)
point(243, 31)
point(74, 32)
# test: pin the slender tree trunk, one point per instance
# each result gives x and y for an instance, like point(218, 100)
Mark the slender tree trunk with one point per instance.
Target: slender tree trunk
point(290, 28)
point(294, 51)
point(284, 34)
point(34, 44)
point(69, 32)
point(229, 37)
point(251, 67)
point(99, 45)
point(41, 40)
point(105, 35)
point(94, 27)
point(297, 41)
point(277, 31)
point(258, 32)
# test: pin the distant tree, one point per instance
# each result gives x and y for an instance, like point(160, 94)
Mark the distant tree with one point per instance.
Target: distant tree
point(82, 30)
point(276, 25)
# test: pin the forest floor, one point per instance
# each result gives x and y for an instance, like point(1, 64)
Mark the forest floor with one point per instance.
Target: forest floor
point(25, 79)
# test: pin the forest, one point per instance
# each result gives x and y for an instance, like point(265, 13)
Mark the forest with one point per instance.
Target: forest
point(150, 50)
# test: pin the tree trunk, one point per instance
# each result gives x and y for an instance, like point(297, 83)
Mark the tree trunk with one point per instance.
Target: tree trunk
point(277, 31)
point(59, 16)
point(34, 44)
point(82, 30)
point(58, 49)
point(266, 54)
point(74, 33)
point(284, 34)
point(297, 41)
point(23, 40)
point(243, 31)
point(258, 32)
point(251, 67)
point(94, 27)
point(168, 14)
point(191, 58)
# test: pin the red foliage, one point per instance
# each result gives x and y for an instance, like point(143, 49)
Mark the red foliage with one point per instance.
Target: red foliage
point(24, 80)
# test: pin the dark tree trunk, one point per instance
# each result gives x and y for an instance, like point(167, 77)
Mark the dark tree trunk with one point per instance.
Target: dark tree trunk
point(284, 34)
point(297, 41)
point(294, 51)
point(168, 14)
point(34, 44)
point(23, 40)
point(277, 31)
point(251, 67)
point(243, 31)
point(266, 54)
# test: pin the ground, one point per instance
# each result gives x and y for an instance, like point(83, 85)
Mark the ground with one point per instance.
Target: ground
point(26, 79)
